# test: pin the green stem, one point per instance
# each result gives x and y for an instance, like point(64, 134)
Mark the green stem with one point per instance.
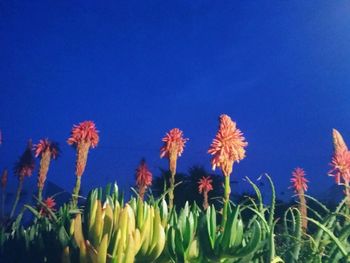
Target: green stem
point(303, 209)
point(40, 194)
point(76, 190)
point(19, 190)
point(171, 190)
point(227, 191)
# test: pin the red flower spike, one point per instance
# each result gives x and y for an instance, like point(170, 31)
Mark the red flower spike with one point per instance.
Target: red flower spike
point(50, 203)
point(174, 143)
point(46, 145)
point(340, 166)
point(143, 175)
point(298, 179)
point(84, 132)
point(205, 184)
point(228, 146)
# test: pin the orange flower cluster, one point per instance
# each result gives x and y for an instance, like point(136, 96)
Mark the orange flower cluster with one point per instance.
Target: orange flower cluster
point(341, 160)
point(143, 175)
point(83, 136)
point(227, 146)
point(46, 150)
point(46, 146)
point(205, 184)
point(49, 203)
point(84, 132)
point(174, 144)
point(299, 182)
point(143, 178)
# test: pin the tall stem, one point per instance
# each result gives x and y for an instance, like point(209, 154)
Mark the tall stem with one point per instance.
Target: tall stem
point(142, 191)
point(76, 190)
point(172, 168)
point(227, 191)
point(303, 209)
point(171, 189)
point(205, 200)
point(40, 194)
point(19, 190)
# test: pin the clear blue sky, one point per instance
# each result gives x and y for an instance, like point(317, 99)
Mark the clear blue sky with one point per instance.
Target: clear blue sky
point(139, 68)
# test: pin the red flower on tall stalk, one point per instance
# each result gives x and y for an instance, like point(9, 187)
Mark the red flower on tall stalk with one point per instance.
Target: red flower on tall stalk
point(205, 184)
point(49, 204)
point(46, 150)
point(340, 166)
point(173, 147)
point(341, 160)
point(228, 146)
point(23, 168)
point(84, 132)
point(299, 182)
point(143, 178)
point(46, 146)
point(83, 136)
point(26, 163)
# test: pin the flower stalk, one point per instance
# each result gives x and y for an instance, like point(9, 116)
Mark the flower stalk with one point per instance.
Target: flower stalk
point(46, 150)
point(341, 164)
point(23, 168)
point(227, 147)
point(205, 185)
point(299, 183)
point(143, 178)
point(173, 147)
point(83, 137)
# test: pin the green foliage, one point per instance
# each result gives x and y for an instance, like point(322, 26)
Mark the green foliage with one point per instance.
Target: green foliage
point(107, 230)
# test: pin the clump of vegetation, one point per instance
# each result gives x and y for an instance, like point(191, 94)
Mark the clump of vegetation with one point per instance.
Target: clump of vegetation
point(106, 228)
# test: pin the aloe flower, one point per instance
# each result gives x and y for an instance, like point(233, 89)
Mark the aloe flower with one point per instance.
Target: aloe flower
point(83, 136)
point(4, 178)
point(205, 185)
point(227, 147)
point(299, 183)
point(143, 178)
point(23, 168)
point(174, 144)
point(49, 204)
point(341, 163)
point(46, 150)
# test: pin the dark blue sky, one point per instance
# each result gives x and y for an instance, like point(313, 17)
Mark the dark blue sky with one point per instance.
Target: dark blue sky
point(139, 68)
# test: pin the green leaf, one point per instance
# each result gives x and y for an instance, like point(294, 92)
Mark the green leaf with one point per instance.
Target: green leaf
point(331, 235)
